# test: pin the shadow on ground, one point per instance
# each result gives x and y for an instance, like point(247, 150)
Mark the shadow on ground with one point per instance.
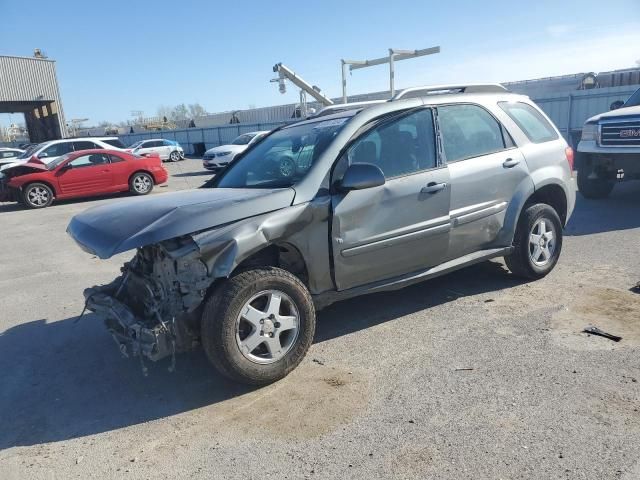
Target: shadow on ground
point(621, 211)
point(62, 379)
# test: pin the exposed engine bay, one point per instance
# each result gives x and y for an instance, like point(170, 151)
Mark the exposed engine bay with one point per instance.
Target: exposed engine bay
point(152, 309)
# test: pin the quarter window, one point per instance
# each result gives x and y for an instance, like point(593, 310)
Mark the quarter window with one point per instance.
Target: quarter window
point(469, 131)
point(398, 146)
point(531, 122)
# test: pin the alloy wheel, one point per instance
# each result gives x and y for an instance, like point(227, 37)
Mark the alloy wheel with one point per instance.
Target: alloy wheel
point(267, 326)
point(142, 183)
point(542, 242)
point(38, 196)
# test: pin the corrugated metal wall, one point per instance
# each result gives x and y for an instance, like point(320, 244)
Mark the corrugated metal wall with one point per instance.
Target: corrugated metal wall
point(568, 111)
point(27, 79)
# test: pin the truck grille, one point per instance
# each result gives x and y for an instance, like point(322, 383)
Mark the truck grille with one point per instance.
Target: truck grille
point(621, 134)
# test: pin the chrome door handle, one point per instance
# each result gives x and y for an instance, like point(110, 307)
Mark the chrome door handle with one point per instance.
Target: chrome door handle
point(433, 187)
point(510, 163)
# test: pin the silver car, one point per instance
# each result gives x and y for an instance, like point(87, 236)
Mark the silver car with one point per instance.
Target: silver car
point(368, 199)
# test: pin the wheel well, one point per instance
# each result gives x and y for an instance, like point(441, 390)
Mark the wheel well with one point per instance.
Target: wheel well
point(142, 171)
point(281, 255)
point(39, 181)
point(552, 195)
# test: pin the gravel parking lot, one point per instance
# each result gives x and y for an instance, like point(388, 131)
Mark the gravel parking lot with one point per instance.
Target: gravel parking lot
point(470, 376)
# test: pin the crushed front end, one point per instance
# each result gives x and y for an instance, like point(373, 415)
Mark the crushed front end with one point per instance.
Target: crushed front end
point(152, 309)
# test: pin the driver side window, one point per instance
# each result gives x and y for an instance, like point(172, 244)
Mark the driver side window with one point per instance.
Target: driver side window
point(89, 160)
point(57, 150)
point(400, 146)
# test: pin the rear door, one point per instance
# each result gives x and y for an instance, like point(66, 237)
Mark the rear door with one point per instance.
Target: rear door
point(403, 225)
point(485, 168)
point(86, 175)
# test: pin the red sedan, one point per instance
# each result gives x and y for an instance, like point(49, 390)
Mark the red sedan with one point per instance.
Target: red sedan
point(81, 174)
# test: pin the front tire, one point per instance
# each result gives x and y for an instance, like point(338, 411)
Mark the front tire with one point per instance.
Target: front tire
point(537, 242)
point(37, 195)
point(258, 326)
point(141, 183)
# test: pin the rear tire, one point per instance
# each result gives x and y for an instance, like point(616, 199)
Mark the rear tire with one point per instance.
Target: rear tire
point(141, 183)
point(37, 195)
point(537, 242)
point(174, 156)
point(252, 339)
point(593, 188)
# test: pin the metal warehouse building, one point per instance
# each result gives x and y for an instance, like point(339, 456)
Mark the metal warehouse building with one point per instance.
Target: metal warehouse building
point(29, 85)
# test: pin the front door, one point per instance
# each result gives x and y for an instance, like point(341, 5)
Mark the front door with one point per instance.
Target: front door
point(403, 225)
point(86, 175)
point(486, 171)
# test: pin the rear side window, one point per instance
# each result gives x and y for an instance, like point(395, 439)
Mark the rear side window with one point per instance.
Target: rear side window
point(469, 131)
point(84, 145)
point(58, 149)
point(114, 143)
point(531, 122)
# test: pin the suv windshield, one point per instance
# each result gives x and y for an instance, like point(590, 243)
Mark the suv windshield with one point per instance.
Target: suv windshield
point(633, 99)
point(284, 157)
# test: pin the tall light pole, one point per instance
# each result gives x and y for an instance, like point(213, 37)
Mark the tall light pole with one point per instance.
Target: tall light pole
point(394, 56)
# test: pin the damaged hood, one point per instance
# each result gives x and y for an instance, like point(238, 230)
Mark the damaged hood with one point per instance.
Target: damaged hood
point(22, 168)
point(120, 226)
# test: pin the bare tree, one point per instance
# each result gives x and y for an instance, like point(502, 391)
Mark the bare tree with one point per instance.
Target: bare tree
point(196, 110)
point(179, 112)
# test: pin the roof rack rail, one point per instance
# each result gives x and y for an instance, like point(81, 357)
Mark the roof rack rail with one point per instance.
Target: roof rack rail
point(455, 88)
point(341, 107)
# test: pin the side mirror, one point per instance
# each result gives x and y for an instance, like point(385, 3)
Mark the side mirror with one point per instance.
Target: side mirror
point(360, 176)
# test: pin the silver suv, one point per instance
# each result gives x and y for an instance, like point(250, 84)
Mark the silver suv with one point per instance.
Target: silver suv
point(371, 199)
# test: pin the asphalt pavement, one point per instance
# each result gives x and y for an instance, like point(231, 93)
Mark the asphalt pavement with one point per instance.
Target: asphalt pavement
point(475, 375)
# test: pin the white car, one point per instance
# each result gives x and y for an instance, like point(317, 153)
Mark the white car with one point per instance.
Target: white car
point(166, 149)
point(47, 152)
point(9, 155)
point(217, 158)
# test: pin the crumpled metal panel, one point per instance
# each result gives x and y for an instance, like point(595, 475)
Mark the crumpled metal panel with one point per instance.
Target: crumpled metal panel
point(120, 226)
point(304, 227)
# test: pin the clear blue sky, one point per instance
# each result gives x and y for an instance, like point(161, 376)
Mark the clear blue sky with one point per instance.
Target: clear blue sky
point(117, 56)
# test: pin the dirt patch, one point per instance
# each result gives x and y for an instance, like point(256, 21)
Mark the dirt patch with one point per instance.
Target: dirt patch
point(311, 401)
point(611, 310)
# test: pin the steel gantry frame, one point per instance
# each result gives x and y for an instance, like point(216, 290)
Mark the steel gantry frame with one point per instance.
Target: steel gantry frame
point(394, 56)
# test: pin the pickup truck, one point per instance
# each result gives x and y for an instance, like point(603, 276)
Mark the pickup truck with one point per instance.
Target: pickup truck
point(609, 150)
